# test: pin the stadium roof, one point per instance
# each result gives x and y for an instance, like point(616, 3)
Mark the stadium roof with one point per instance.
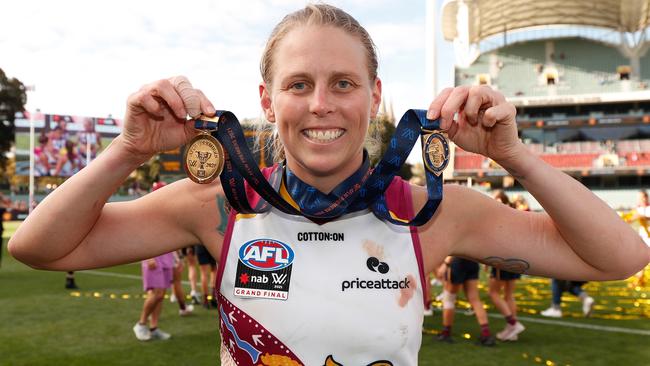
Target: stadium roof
point(490, 17)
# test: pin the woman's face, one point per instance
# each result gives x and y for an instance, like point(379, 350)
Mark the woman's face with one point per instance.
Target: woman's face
point(322, 100)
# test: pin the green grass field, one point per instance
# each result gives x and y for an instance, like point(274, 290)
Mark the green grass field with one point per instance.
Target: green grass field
point(41, 323)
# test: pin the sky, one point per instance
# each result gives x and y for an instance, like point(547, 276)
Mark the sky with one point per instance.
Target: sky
point(87, 57)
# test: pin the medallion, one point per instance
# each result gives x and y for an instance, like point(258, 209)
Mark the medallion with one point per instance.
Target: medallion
point(435, 153)
point(204, 158)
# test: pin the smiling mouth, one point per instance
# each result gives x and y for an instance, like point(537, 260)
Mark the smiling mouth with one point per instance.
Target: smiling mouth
point(323, 136)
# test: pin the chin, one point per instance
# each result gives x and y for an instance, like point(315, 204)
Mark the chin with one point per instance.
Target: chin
point(321, 167)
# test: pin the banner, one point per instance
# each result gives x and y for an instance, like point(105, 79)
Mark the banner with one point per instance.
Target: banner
point(63, 144)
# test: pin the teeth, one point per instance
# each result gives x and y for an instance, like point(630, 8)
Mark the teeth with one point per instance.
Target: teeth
point(323, 135)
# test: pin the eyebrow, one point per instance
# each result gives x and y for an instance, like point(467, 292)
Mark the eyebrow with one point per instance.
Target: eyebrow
point(334, 75)
point(297, 75)
point(341, 74)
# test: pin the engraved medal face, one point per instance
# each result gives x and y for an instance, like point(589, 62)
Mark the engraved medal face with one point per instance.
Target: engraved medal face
point(203, 158)
point(435, 153)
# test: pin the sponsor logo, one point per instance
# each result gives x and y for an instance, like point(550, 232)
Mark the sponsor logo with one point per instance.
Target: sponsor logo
point(279, 279)
point(320, 236)
point(264, 269)
point(375, 265)
point(266, 254)
point(383, 284)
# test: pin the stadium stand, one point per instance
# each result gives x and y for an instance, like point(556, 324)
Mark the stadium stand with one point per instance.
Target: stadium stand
point(578, 75)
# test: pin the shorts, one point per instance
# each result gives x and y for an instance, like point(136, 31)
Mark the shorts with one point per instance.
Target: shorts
point(502, 275)
point(161, 277)
point(184, 252)
point(204, 256)
point(463, 270)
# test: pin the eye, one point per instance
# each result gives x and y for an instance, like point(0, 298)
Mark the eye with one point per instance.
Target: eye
point(298, 86)
point(343, 84)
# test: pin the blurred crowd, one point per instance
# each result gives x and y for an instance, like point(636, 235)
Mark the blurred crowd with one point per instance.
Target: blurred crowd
point(62, 153)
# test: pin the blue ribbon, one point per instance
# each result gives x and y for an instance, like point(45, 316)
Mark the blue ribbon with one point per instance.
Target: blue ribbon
point(362, 190)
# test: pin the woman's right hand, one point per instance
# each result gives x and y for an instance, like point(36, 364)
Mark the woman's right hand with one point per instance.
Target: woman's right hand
point(156, 120)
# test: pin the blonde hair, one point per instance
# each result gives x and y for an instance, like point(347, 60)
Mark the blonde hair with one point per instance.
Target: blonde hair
point(320, 15)
point(323, 15)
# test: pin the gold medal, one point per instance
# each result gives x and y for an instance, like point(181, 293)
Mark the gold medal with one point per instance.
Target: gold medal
point(435, 152)
point(203, 158)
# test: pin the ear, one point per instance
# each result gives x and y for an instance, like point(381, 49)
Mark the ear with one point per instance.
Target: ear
point(265, 102)
point(376, 98)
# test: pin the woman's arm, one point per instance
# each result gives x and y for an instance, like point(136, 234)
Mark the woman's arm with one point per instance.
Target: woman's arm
point(74, 228)
point(578, 236)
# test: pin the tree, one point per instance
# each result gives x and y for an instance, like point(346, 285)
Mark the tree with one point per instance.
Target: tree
point(380, 131)
point(13, 97)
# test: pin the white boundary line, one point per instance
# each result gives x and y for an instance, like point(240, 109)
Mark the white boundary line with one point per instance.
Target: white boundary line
point(561, 323)
point(492, 315)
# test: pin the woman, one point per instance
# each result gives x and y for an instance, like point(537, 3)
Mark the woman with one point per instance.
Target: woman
point(506, 281)
point(320, 88)
point(460, 273)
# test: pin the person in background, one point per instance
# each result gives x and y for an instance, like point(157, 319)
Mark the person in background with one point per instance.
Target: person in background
point(641, 215)
point(463, 274)
point(69, 159)
point(188, 253)
point(506, 282)
point(178, 294)
point(90, 142)
point(70, 283)
point(208, 270)
point(157, 277)
point(572, 287)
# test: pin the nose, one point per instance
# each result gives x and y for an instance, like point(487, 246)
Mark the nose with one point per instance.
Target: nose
point(321, 103)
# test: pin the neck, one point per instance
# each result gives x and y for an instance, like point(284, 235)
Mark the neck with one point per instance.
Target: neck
point(325, 181)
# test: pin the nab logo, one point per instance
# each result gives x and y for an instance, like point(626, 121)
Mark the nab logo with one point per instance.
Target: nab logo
point(376, 266)
point(266, 254)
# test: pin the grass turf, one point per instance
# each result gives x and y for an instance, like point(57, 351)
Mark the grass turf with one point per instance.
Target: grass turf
point(41, 323)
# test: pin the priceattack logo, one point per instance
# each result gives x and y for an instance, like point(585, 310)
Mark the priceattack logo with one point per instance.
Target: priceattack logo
point(264, 269)
point(379, 267)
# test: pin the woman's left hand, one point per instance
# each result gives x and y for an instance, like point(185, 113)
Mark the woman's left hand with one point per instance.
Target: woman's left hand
point(485, 123)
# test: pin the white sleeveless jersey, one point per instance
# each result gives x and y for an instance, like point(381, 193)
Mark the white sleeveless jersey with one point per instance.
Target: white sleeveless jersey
point(347, 292)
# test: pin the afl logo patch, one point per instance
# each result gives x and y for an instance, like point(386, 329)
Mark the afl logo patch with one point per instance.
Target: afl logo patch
point(435, 153)
point(266, 254)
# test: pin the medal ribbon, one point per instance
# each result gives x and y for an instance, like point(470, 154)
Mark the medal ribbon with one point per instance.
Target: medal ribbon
point(363, 190)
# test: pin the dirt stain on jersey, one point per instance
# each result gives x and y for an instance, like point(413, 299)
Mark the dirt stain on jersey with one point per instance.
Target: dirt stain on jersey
point(373, 249)
point(406, 294)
